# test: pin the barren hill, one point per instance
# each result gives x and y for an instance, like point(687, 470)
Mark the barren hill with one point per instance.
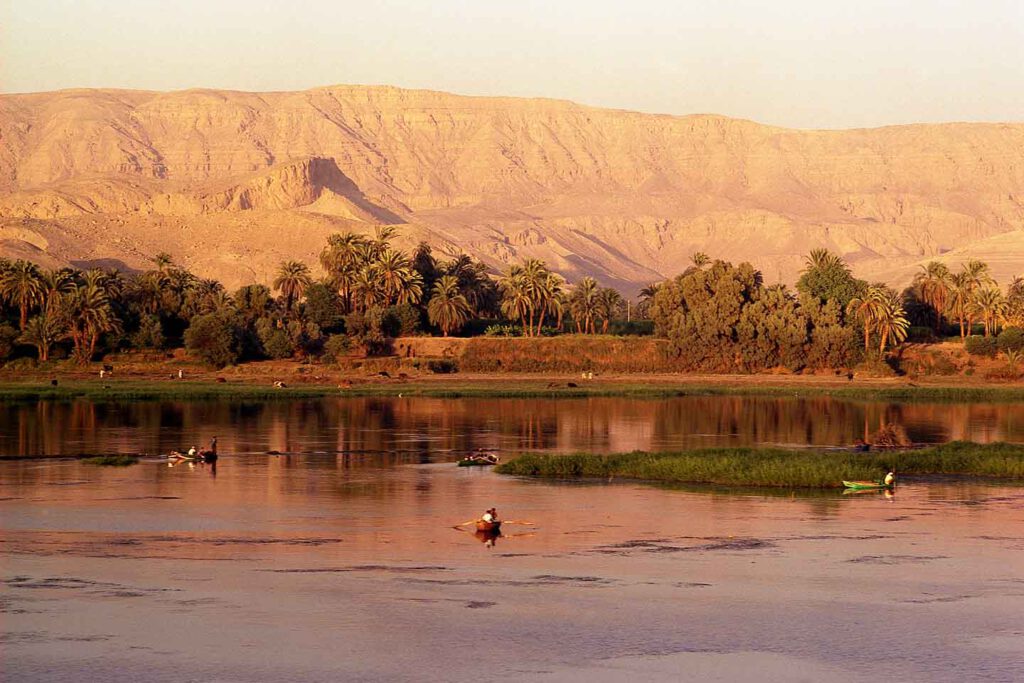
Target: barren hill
point(230, 183)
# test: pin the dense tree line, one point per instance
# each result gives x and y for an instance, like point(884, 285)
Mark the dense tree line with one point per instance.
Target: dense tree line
point(716, 316)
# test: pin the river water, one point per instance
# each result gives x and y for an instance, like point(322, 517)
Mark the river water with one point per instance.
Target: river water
point(336, 558)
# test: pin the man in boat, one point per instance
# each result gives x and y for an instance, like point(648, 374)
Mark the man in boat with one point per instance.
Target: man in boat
point(192, 452)
point(210, 454)
point(890, 479)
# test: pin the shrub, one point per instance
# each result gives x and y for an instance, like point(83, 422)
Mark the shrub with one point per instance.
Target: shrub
point(323, 307)
point(637, 328)
point(150, 334)
point(1011, 339)
point(215, 338)
point(8, 340)
point(337, 346)
point(503, 331)
point(918, 334)
point(368, 330)
point(442, 367)
point(402, 321)
point(981, 346)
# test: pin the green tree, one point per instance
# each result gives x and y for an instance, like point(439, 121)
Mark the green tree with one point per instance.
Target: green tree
point(292, 280)
point(868, 309)
point(584, 304)
point(89, 315)
point(22, 285)
point(324, 307)
point(933, 284)
point(215, 338)
point(772, 331)
point(43, 331)
point(990, 306)
point(448, 308)
point(826, 277)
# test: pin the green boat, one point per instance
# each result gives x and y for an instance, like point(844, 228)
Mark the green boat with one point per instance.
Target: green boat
point(865, 485)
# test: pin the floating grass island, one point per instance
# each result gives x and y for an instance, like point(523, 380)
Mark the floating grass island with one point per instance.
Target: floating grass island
point(777, 467)
point(111, 460)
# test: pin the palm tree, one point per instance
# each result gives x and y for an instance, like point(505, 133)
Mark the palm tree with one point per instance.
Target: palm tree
point(89, 315)
point(700, 259)
point(393, 273)
point(366, 292)
point(56, 284)
point(959, 300)
point(548, 296)
point(583, 304)
point(891, 320)
point(990, 305)
point(342, 259)
point(163, 262)
point(43, 331)
point(448, 308)
point(823, 260)
point(976, 275)
point(868, 309)
point(292, 280)
point(933, 282)
point(516, 302)
point(148, 289)
point(22, 285)
point(609, 302)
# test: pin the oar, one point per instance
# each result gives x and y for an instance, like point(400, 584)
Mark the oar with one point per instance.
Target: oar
point(518, 521)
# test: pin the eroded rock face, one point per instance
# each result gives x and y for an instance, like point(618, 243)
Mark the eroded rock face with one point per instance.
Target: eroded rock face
point(626, 197)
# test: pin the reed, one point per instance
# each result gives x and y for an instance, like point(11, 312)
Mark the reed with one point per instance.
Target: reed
point(111, 460)
point(776, 467)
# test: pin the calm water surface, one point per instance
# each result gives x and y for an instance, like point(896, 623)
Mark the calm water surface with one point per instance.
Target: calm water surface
point(338, 561)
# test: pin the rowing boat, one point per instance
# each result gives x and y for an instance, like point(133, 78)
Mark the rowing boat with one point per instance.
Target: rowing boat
point(864, 485)
point(488, 527)
point(479, 461)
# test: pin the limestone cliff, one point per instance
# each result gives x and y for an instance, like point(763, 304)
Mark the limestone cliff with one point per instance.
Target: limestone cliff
point(97, 174)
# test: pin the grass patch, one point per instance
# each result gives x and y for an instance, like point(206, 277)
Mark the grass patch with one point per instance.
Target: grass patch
point(491, 388)
point(776, 467)
point(112, 460)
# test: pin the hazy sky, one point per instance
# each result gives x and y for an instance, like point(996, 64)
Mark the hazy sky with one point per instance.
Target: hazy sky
point(800, 63)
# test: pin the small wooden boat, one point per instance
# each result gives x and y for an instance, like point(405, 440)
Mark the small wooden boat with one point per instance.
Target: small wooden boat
point(488, 527)
point(479, 460)
point(865, 485)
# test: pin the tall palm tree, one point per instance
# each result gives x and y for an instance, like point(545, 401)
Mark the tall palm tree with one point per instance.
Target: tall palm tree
point(393, 273)
point(548, 298)
point(609, 302)
point(292, 280)
point(89, 315)
point(700, 259)
point(22, 285)
point(448, 308)
point(163, 262)
point(583, 304)
point(56, 284)
point(366, 291)
point(990, 305)
point(43, 331)
point(933, 282)
point(516, 302)
point(148, 289)
point(342, 259)
point(976, 275)
point(823, 259)
point(869, 310)
point(891, 322)
point(960, 300)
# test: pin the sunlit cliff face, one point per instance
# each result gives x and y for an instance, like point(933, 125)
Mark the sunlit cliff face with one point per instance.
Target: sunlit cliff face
point(231, 183)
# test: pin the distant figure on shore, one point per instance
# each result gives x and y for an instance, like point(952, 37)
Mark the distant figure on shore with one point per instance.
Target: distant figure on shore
point(180, 374)
point(103, 373)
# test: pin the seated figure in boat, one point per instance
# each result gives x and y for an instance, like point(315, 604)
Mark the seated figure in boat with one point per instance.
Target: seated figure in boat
point(890, 479)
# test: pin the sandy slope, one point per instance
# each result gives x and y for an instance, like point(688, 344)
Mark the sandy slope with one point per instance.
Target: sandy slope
point(231, 182)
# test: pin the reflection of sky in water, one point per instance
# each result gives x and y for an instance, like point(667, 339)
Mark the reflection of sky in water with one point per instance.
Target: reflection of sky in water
point(443, 427)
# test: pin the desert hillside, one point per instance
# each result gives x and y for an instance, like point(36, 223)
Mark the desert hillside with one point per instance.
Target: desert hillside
point(230, 183)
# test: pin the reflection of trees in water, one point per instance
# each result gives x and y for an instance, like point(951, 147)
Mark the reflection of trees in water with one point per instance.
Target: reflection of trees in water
point(383, 431)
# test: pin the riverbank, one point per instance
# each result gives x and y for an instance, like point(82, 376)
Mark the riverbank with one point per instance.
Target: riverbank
point(777, 467)
point(494, 386)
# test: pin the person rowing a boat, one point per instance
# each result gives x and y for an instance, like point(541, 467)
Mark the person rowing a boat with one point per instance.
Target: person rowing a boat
point(210, 454)
point(890, 479)
point(490, 516)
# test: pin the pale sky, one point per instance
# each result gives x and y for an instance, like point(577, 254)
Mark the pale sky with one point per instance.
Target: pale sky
point(797, 63)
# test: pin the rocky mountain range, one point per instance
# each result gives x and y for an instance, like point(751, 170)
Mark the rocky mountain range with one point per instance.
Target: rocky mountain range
point(231, 183)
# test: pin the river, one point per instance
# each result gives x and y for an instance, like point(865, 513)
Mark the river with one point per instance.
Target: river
point(335, 557)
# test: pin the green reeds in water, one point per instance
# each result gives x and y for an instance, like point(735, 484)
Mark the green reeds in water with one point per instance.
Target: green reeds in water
point(112, 460)
point(776, 467)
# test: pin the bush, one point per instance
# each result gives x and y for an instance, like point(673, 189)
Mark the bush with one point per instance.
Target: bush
point(1011, 339)
point(637, 328)
point(368, 330)
point(443, 367)
point(323, 306)
point(981, 346)
point(215, 338)
point(503, 331)
point(402, 321)
point(150, 334)
point(8, 340)
point(337, 346)
point(918, 334)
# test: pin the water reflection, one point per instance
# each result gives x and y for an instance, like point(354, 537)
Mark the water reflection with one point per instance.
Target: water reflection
point(427, 430)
